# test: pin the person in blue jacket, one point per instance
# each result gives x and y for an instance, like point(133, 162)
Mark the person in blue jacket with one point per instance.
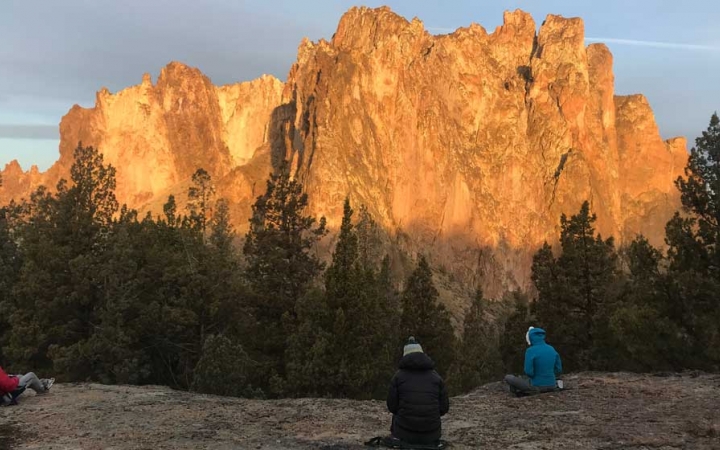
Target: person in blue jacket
point(542, 364)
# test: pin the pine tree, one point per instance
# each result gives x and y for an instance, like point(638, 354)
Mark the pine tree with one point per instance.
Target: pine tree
point(700, 191)
point(129, 312)
point(345, 337)
point(281, 263)
point(224, 309)
point(575, 291)
point(512, 339)
point(642, 326)
point(370, 246)
point(10, 263)
point(170, 212)
point(310, 354)
point(221, 230)
point(479, 358)
point(390, 320)
point(340, 277)
point(344, 295)
point(425, 318)
point(693, 251)
point(63, 239)
point(103, 296)
point(200, 196)
point(92, 195)
point(361, 325)
point(166, 293)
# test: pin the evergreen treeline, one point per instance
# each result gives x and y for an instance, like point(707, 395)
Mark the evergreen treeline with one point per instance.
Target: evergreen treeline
point(636, 308)
point(91, 291)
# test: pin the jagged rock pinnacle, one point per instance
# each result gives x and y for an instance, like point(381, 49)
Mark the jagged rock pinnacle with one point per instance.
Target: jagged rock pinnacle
point(471, 144)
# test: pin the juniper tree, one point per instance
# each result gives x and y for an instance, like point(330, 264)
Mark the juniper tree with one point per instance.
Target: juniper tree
point(224, 369)
point(425, 318)
point(479, 348)
point(643, 326)
point(165, 293)
point(310, 357)
point(514, 327)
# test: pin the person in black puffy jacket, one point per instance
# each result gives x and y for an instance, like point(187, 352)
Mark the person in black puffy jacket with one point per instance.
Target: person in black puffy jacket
point(417, 398)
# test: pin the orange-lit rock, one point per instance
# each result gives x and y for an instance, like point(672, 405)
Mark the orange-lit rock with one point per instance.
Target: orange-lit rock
point(466, 146)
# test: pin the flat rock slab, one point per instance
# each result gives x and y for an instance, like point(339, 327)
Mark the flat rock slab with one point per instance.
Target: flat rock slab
point(599, 411)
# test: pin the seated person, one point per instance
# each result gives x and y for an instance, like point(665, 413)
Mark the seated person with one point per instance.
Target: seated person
point(11, 385)
point(542, 363)
point(417, 398)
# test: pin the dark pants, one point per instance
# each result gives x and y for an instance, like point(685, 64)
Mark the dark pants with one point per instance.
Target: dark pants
point(415, 437)
point(522, 386)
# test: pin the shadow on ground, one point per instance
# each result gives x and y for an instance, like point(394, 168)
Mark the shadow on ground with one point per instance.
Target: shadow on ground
point(8, 436)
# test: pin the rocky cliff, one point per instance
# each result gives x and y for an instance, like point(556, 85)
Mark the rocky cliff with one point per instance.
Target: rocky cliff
point(467, 146)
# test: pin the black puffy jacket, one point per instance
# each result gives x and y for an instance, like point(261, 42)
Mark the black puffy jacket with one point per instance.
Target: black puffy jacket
point(417, 399)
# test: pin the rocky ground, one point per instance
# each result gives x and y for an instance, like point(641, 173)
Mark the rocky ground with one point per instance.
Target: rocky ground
point(599, 411)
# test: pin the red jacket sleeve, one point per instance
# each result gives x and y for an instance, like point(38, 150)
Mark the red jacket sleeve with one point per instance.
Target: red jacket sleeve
point(7, 384)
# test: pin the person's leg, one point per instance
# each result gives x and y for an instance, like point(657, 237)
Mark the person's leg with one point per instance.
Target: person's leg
point(31, 381)
point(546, 388)
point(518, 384)
point(510, 381)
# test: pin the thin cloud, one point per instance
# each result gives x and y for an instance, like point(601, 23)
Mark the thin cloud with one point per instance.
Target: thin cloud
point(655, 44)
point(634, 42)
point(28, 131)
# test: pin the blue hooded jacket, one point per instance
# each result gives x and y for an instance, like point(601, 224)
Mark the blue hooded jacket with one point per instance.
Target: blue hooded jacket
point(542, 362)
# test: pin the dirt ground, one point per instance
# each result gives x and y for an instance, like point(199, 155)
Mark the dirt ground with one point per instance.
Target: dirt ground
point(599, 411)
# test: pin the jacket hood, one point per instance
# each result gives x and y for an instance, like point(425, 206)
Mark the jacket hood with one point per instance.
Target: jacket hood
point(536, 336)
point(416, 361)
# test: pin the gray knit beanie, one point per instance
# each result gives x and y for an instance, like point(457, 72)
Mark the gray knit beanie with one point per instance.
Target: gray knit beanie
point(411, 347)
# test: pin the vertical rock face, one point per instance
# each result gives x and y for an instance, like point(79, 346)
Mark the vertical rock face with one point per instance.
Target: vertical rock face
point(158, 135)
point(472, 141)
point(648, 169)
point(466, 146)
point(246, 108)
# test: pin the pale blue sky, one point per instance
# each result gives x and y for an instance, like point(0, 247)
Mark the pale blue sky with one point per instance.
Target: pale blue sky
point(54, 54)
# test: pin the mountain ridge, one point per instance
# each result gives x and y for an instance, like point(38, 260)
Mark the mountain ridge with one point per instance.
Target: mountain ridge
point(467, 146)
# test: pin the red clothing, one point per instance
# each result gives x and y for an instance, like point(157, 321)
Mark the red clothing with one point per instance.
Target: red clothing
point(7, 383)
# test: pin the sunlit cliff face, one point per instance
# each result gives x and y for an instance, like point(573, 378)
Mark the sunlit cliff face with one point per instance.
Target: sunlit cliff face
point(466, 146)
